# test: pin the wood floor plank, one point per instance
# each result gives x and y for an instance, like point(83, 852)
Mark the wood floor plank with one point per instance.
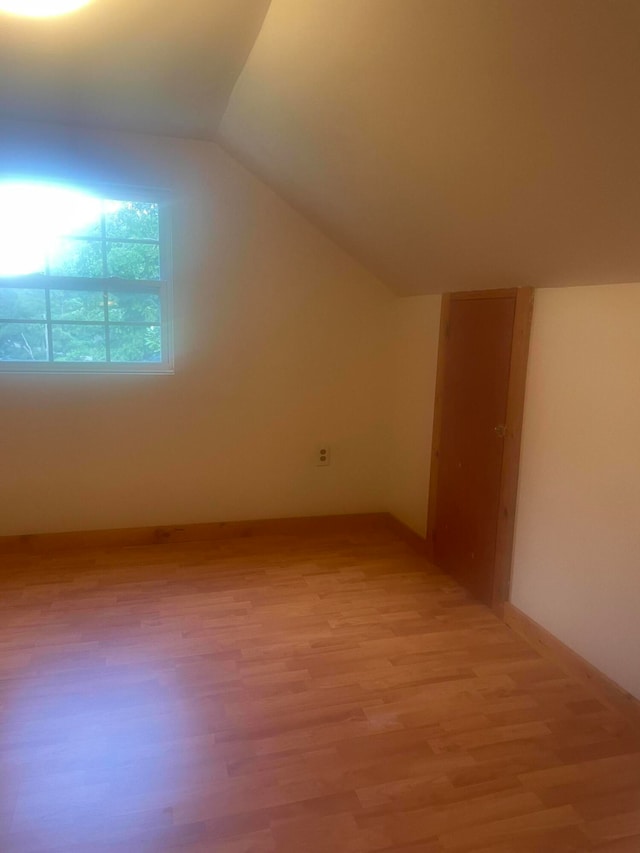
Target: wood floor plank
point(290, 694)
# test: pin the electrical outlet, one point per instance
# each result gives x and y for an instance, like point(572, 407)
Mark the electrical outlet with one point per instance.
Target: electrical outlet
point(323, 455)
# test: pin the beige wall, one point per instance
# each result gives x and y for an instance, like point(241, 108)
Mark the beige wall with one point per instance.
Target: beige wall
point(281, 344)
point(577, 546)
point(415, 322)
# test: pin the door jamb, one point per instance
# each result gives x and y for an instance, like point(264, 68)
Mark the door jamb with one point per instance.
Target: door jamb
point(437, 424)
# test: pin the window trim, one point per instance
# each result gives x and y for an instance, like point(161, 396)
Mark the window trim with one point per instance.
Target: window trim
point(163, 287)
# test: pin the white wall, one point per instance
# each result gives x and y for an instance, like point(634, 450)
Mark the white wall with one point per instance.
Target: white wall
point(577, 546)
point(415, 323)
point(281, 344)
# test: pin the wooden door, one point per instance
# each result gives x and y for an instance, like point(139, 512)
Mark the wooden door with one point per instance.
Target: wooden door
point(478, 419)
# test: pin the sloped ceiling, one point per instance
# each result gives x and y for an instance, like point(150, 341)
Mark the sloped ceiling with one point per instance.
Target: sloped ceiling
point(165, 68)
point(447, 144)
point(453, 144)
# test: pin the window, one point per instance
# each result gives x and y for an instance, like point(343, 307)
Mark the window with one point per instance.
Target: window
point(85, 283)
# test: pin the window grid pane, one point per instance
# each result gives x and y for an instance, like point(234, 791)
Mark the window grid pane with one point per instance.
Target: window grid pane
point(22, 304)
point(73, 324)
point(76, 259)
point(76, 305)
point(105, 296)
point(135, 343)
point(49, 331)
point(137, 220)
point(145, 335)
point(23, 342)
point(75, 342)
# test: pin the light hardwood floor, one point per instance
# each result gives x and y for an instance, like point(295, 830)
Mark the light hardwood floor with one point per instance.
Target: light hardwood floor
point(290, 695)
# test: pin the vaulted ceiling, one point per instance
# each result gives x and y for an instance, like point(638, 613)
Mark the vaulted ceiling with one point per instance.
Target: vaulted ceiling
point(447, 144)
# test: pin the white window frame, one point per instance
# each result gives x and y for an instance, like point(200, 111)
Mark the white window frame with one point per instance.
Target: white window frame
point(163, 287)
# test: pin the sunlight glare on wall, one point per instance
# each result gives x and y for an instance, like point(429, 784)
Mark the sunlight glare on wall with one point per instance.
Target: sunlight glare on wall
point(34, 216)
point(41, 8)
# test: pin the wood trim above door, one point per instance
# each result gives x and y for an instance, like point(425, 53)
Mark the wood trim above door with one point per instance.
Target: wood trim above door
point(505, 293)
point(513, 434)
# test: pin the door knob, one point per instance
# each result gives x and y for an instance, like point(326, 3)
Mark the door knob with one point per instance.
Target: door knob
point(500, 430)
